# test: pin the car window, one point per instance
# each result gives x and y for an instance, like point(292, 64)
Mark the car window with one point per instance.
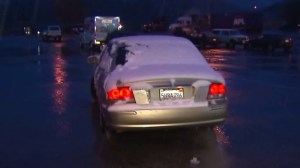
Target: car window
point(106, 59)
point(121, 55)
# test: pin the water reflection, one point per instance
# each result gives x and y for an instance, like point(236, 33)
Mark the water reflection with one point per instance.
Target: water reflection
point(60, 94)
point(60, 88)
point(203, 147)
point(222, 138)
point(59, 72)
point(218, 55)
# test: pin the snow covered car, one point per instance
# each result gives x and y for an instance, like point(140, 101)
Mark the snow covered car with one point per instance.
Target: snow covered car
point(156, 81)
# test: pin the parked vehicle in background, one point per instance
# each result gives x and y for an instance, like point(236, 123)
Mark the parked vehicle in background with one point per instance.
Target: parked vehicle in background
point(202, 40)
point(248, 22)
point(191, 23)
point(231, 37)
point(156, 81)
point(158, 25)
point(205, 39)
point(28, 30)
point(270, 42)
point(52, 32)
point(96, 30)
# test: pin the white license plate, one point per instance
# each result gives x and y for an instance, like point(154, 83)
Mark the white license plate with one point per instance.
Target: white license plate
point(176, 93)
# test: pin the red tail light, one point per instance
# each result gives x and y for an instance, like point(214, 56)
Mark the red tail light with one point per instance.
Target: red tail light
point(120, 93)
point(216, 90)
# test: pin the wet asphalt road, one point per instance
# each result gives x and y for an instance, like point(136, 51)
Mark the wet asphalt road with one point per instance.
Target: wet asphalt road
point(47, 118)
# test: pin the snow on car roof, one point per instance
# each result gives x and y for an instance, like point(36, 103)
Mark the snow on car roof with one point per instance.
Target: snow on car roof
point(160, 57)
point(160, 49)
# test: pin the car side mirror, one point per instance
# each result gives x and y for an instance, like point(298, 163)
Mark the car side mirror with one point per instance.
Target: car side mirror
point(93, 59)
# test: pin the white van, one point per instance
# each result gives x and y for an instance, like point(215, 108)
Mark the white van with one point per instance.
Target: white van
point(52, 32)
point(96, 30)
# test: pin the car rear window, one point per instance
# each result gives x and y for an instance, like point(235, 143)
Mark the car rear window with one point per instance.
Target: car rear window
point(121, 55)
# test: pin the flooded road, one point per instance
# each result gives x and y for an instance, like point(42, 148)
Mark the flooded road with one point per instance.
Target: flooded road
point(48, 119)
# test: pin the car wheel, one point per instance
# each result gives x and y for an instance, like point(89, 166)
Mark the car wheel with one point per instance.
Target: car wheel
point(232, 45)
point(109, 133)
point(101, 121)
point(93, 90)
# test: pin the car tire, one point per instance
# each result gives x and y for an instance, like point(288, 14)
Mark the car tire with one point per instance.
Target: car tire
point(232, 45)
point(101, 121)
point(93, 90)
point(109, 133)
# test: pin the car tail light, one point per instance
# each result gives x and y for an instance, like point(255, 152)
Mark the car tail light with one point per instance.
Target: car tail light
point(121, 93)
point(216, 90)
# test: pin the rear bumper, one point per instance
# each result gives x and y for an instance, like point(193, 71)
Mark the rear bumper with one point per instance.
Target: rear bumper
point(166, 118)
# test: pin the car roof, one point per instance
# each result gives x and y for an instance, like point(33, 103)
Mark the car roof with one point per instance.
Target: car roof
point(159, 49)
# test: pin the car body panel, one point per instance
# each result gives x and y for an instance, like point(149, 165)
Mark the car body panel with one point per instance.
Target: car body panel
point(231, 36)
point(166, 118)
point(150, 65)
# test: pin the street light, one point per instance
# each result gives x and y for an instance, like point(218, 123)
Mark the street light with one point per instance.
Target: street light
point(255, 7)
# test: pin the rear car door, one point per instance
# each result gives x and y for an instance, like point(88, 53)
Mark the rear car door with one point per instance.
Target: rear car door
point(102, 71)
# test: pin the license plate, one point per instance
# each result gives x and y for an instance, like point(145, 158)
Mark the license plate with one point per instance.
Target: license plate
point(176, 93)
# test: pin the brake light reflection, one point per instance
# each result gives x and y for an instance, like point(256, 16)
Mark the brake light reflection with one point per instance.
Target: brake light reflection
point(60, 87)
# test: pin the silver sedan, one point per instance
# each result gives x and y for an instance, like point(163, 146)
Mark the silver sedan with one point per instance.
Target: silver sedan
point(144, 82)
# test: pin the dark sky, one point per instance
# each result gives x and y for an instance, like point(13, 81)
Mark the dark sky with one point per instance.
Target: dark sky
point(43, 12)
point(250, 3)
